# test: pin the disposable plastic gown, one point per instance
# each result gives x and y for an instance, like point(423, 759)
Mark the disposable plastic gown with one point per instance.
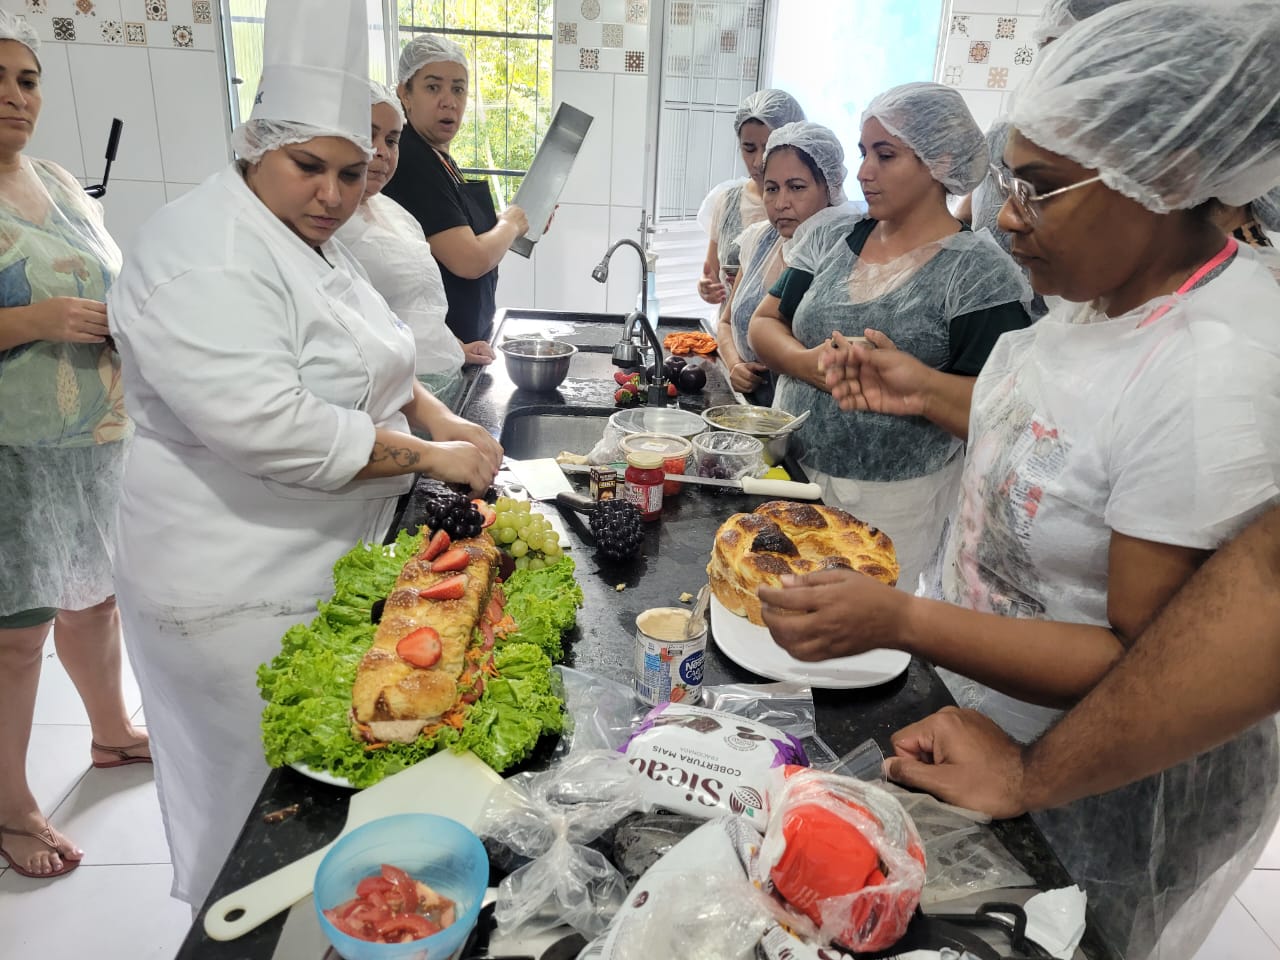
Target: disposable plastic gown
point(725, 212)
point(934, 121)
point(1083, 425)
point(63, 429)
point(1173, 102)
point(1059, 16)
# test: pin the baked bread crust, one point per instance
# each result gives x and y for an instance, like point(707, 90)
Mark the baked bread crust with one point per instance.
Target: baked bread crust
point(390, 694)
point(781, 537)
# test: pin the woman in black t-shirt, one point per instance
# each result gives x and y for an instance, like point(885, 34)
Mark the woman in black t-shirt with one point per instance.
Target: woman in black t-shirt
point(468, 237)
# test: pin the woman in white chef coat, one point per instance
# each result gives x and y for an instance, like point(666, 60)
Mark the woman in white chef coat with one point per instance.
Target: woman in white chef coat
point(1112, 446)
point(391, 247)
point(273, 393)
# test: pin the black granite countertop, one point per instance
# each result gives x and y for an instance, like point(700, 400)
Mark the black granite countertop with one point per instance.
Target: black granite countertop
point(673, 562)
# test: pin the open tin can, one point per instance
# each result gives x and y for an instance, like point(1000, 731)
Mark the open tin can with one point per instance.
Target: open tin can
point(668, 666)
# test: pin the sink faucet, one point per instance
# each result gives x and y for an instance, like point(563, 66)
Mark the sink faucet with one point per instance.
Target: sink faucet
point(625, 354)
point(600, 273)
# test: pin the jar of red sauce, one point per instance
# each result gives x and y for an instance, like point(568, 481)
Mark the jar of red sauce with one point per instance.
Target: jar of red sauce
point(643, 483)
point(676, 453)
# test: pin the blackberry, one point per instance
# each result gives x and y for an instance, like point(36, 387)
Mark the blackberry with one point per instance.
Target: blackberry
point(616, 526)
point(455, 514)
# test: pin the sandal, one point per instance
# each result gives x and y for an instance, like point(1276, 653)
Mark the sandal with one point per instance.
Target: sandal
point(45, 836)
point(123, 756)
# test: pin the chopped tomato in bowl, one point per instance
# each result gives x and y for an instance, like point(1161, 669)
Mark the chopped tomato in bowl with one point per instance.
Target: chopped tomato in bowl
point(391, 907)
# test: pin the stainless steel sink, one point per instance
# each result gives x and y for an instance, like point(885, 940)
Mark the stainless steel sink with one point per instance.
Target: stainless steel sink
point(544, 431)
point(593, 363)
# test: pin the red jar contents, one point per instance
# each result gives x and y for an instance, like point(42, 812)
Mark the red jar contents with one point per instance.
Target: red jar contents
point(673, 465)
point(643, 483)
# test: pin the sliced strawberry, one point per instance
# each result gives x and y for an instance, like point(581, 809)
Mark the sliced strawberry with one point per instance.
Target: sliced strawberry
point(454, 559)
point(450, 588)
point(487, 511)
point(437, 545)
point(421, 648)
point(621, 378)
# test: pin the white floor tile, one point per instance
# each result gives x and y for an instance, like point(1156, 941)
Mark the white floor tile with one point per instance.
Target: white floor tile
point(56, 760)
point(1270, 859)
point(114, 816)
point(111, 912)
point(1237, 936)
point(1260, 893)
point(57, 700)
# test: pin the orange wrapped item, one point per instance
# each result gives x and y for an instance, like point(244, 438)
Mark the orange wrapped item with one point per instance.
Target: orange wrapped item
point(689, 342)
point(845, 854)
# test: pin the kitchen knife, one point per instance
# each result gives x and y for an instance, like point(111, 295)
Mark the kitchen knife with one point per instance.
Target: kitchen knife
point(754, 485)
point(542, 478)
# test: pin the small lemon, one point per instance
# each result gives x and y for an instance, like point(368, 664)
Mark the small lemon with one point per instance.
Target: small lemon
point(777, 473)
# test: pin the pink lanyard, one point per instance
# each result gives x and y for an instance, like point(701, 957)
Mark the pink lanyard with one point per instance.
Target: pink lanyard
point(1206, 268)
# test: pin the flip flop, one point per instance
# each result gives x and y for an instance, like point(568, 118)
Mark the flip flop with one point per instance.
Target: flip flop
point(123, 756)
point(45, 836)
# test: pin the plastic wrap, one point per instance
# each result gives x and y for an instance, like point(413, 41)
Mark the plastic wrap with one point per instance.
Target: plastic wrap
point(844, 854)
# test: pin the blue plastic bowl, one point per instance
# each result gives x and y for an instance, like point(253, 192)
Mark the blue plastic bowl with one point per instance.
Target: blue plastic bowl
point(440, 852)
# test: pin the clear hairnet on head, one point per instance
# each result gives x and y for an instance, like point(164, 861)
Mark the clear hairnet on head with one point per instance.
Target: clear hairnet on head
point(381, 94)
point(15, 27)
point(774, 108)
point(1266, 209)
point(1173, 102)
point(428, 48)
point(253, 139)
point(936, 124)
point(1059, 16)
point(821, 146)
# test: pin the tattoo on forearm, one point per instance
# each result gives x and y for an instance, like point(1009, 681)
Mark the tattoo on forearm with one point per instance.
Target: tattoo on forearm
point(400, 456)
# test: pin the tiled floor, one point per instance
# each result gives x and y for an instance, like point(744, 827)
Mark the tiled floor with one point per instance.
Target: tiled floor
point(117, 905)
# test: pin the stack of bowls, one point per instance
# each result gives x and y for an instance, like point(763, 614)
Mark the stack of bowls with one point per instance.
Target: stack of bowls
point(766, 424)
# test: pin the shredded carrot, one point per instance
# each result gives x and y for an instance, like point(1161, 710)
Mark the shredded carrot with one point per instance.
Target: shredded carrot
point(456, 718)
point(490, 669)
point(375, 746)
point(504, 626)
point(686, 342)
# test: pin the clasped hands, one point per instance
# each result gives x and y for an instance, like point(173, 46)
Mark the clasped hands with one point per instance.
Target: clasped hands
point(870, 373)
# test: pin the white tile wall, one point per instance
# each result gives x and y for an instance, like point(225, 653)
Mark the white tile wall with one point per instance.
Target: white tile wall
point(517, 277)
point(116, 82)
point(577, 239)
point(589, 183)
point(129, 204)
point(187, 95)
point(57, 135)
point(627, 161)
point(624, 269)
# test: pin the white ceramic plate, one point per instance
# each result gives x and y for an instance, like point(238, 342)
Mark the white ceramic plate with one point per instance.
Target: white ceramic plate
point(753, 647)
point(323, 776)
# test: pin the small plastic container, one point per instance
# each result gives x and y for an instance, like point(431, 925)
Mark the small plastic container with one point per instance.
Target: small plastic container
point(670, 421)
point(440, 852)
point(728, 456)
point(675, 452)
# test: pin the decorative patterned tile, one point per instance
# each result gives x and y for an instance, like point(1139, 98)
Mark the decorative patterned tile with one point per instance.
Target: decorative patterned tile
point(637, 11)
point(755, 16)
point(954, 76)
point(750, 68)
point(112, 31)
point(157, 9)
point(183, 37)
point(567, 32)
point(705, 13)
point(728, 41)
point(1005, 27)
point(998, 78)
point(590, 9)
point(979, 51)
point(37, 6)
point(960, 25)
point(1024, 56)
point(611, 35)
point(588, 59)
point(681, 13)
point(634, 62)
point(136, 34)
point(201, 11)
point(64, 28)
point(679, 64)
point(85, 8)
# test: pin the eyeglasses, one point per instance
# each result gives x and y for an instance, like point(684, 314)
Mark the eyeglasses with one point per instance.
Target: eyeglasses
point(1024, 196)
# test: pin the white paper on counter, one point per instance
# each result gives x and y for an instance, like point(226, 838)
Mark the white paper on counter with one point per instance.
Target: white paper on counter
point(1055, 920)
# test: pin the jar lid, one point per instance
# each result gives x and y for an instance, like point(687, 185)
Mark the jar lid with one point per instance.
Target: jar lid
point(644, 459)
point(662, 445)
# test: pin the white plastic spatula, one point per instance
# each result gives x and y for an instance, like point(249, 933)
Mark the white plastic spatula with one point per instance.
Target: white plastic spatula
point(454, 785)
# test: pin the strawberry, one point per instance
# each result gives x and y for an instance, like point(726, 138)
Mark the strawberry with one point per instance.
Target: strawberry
point(450, 560)
point(487, 511)
point(621, 378)
point(437, 545)
point(450, 588)
point(421, 648)
point(623, 396)
point(671, 390)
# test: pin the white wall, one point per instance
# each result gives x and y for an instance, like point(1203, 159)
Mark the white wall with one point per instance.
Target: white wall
point(155, 64)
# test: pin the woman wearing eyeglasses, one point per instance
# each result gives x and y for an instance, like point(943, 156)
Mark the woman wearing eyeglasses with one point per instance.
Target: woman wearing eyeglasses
point(1112, 446)
point(910, 271)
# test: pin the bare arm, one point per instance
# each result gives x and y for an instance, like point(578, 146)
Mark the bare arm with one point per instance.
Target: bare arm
point(1203, 672)
point(471, 256)
point(64, 319)
point(770, 336)
point(710, 288)
point(427, 413)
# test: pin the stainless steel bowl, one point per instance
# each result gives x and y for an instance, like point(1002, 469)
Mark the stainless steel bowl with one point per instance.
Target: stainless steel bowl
point(537, 364)
point(763, 423)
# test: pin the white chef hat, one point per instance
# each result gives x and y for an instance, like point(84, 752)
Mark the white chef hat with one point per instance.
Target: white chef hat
point(315, 64)
point(14, 26)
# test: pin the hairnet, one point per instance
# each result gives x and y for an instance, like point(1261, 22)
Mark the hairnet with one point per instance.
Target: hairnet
point(253, 139)
point(1059, 16)
point(15, 27)
point(428, 48)
point(821, 146)
point(935, 123)
point(1173, 102)
point(1266, 209)
point(774, 108)
point(381, 94)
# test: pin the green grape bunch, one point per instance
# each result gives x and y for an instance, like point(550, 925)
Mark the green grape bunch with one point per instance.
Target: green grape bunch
point(526, 535)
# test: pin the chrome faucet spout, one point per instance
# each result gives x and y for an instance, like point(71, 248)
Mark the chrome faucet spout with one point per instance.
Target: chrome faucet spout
point(658, 383)
point(600, 273)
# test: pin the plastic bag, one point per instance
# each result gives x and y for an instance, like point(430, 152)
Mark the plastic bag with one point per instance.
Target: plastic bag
point(845, 855)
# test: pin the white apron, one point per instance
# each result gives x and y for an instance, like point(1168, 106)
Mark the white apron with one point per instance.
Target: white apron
point(257, 379)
